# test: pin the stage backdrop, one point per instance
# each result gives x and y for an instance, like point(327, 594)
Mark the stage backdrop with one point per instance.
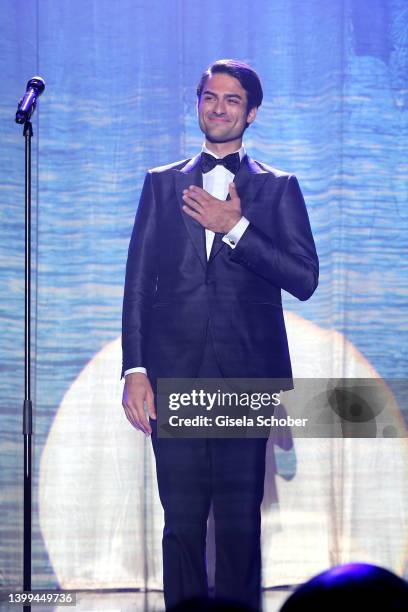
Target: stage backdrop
point(120, 98)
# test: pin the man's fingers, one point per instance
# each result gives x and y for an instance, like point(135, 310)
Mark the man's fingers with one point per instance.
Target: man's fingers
point(133, 403)
point(198, 195)
point(192, 204)
point(150, 406)
point(138, 421)
point(199, 192)
point(190, 210)
point(193, 214)
point(131, 419)
point(141, 416)
point(192, 201)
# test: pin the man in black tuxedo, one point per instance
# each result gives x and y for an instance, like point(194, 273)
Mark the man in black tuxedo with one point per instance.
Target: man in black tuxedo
point(215, 239)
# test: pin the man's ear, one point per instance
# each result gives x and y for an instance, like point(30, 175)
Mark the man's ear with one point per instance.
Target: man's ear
point(251, 115)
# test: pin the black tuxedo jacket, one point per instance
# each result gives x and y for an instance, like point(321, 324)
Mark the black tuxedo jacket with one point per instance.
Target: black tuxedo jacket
point(172, 292)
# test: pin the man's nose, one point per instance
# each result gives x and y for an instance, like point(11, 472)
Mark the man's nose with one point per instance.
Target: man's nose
point(219, 107)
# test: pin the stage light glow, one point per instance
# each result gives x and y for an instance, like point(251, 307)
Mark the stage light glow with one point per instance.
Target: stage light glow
point(100, 513)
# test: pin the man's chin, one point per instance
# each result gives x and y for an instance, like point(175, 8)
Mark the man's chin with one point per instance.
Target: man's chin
point(219, 139)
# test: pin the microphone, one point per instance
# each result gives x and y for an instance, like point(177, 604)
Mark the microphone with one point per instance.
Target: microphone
point(27, 104)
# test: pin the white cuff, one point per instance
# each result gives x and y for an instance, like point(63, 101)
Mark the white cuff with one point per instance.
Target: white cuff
point(235, 234)
point(141, 370)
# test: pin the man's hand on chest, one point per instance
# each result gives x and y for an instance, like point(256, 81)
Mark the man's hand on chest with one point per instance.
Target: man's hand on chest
point(219, 216)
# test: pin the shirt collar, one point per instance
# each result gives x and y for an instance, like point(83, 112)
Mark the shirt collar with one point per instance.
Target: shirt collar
point(241, 152)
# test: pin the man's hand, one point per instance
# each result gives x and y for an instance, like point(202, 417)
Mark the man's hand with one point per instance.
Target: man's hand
point(213, 214)
point(136, 392)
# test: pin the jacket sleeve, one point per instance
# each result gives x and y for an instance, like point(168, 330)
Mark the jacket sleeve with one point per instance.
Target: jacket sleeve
point(140, 281)
point(289, 260)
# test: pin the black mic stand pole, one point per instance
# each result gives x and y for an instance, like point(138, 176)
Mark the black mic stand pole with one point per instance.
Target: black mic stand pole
point(27, 406)
point(25, 109)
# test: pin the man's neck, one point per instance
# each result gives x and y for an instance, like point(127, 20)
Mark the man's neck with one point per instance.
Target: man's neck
point(221, 149)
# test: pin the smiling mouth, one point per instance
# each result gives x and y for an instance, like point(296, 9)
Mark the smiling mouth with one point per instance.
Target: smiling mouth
point(218, 119)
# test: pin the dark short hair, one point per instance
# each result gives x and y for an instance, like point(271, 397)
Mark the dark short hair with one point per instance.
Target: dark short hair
point(246, 75)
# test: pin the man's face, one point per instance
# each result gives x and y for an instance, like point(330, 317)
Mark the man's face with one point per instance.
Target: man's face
point(222, 109)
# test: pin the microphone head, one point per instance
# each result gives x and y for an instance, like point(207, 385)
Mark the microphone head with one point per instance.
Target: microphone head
point(37, 83)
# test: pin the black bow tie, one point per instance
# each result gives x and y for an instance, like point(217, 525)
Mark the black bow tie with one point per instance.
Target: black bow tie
point(231, 162)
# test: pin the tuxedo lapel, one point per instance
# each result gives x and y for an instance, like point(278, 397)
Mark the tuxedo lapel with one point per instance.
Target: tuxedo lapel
point(248, 182)
point(190, 174)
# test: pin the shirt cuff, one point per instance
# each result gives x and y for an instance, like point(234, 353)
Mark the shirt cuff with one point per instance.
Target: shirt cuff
point(131, 370)
point(235, 234)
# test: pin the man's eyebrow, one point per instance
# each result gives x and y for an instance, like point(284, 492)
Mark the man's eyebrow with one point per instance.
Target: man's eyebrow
point(228, 95)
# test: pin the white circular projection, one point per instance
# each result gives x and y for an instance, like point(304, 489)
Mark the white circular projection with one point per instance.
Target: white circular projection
point(101, 518)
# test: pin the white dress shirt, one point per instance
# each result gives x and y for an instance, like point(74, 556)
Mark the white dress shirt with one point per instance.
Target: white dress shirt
point(216, 182)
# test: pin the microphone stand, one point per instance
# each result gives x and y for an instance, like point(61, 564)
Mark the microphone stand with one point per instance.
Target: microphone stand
point(25, 109)
point(27, 405)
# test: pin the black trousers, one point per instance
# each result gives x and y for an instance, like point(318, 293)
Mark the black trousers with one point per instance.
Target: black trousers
point(191, 474)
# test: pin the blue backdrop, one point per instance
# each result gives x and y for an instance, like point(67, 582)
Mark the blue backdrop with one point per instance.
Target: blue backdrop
point(120, 98)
